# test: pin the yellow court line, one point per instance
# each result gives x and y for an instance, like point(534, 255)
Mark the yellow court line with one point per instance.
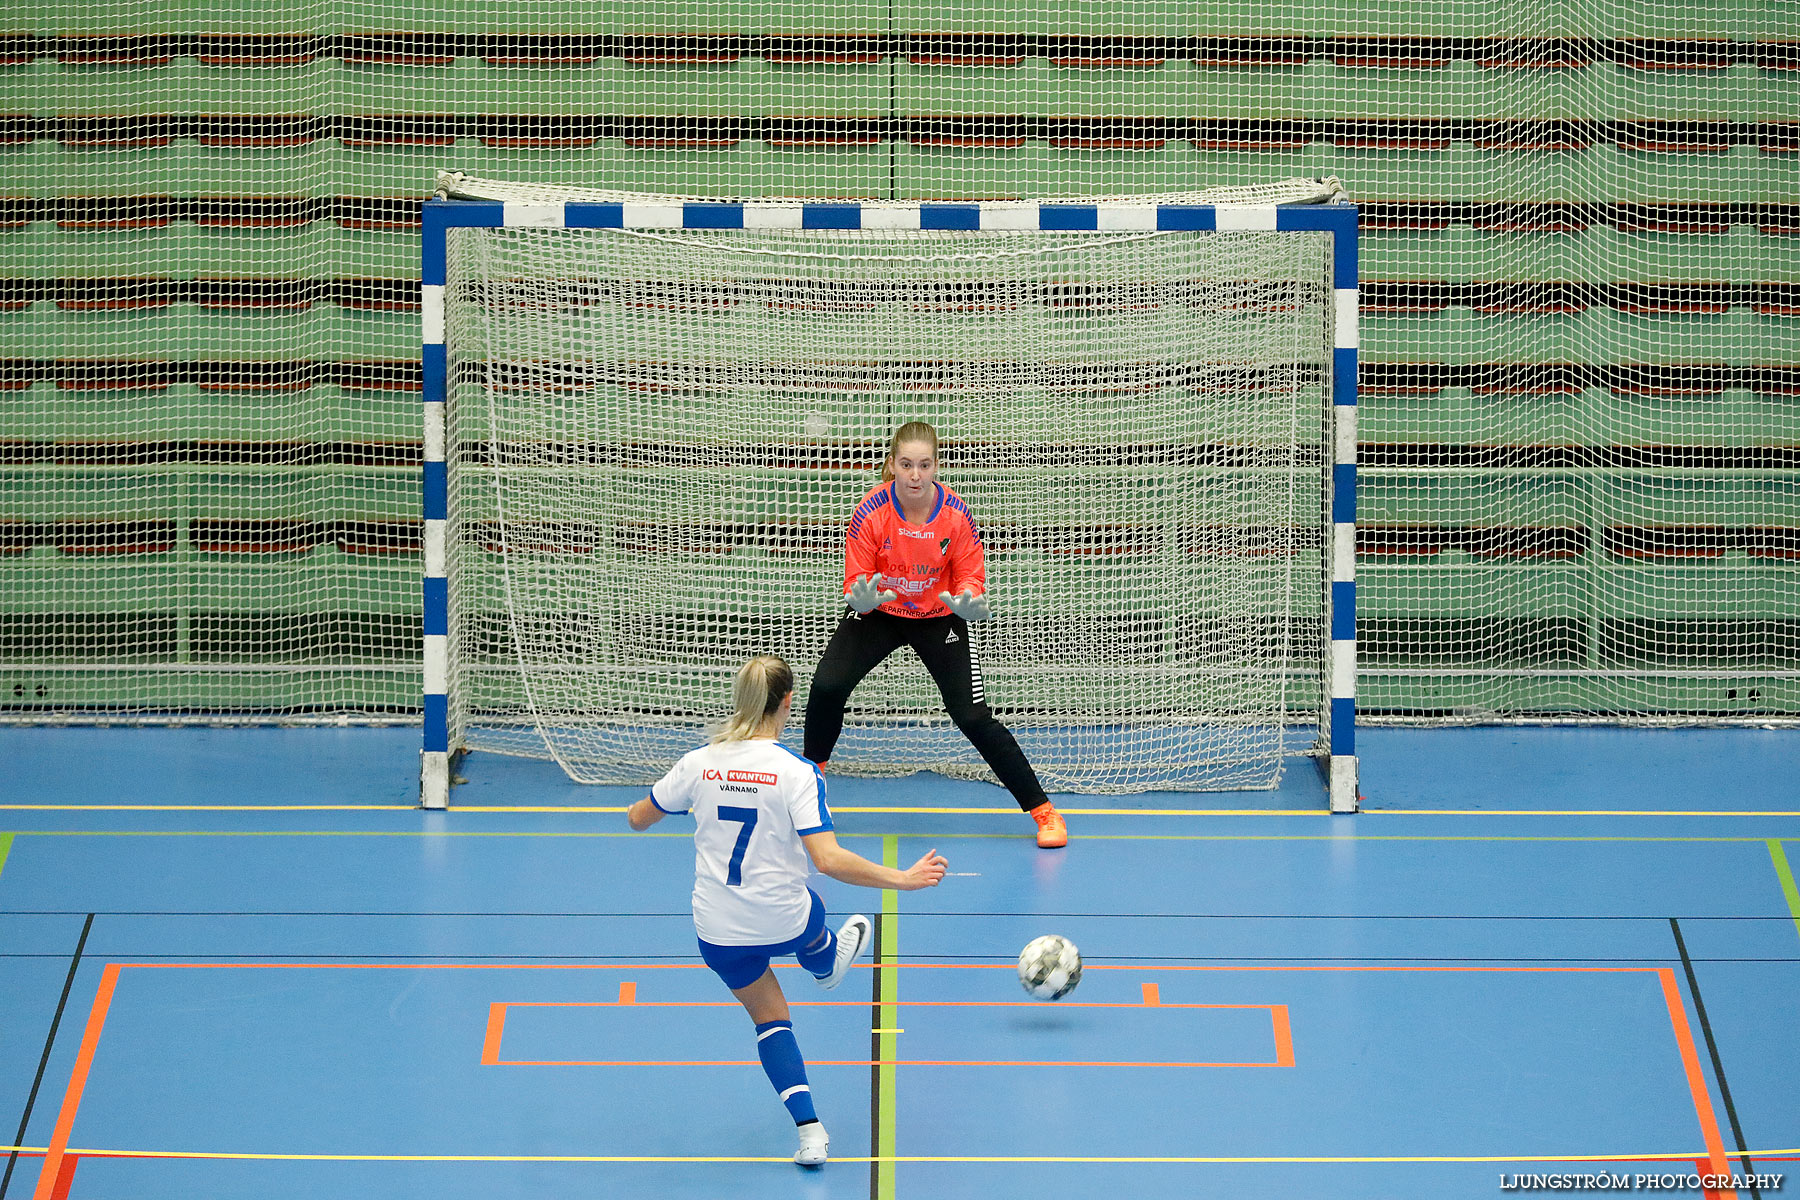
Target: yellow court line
point(1581, 812)
point(591, 810)
point(966, 837)
point(218, 808)
point(877, 810)
point(1198, 1160)
point(927, 810)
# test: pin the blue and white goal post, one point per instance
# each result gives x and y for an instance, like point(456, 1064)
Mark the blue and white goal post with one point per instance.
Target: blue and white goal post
point(443, 743)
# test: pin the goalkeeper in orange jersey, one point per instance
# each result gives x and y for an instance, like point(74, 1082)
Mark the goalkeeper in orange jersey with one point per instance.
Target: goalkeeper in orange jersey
point(914, 574)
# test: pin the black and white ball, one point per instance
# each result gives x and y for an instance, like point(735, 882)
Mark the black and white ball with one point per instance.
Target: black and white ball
point(1049, 967)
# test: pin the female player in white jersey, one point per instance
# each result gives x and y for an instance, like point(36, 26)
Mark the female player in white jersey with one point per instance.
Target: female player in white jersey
point(915, 574)
point(759, 817)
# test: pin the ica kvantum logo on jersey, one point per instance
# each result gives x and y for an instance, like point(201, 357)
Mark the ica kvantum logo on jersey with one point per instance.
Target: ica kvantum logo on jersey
point(762, 777)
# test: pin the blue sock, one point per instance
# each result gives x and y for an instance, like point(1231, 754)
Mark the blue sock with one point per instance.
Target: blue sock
point(782, 1063)
point(819, 956)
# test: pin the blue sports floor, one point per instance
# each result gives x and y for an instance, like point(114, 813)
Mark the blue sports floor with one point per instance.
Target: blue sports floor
point(238, 963)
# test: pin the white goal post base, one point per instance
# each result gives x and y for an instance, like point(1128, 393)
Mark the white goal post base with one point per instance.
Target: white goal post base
point(609, 211)
point(1343, 783)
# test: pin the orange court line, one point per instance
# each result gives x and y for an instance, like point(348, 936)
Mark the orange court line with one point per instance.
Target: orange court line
point(454, 966)
point(65, 1119)
point(1690, 1062)
point(1284, 1036)
point(490, 1050)
point(58, 1148)
point(871, 1062)
point(1347, 967)
point(490, 1042)
point(245, 1155)
point(860, 1004)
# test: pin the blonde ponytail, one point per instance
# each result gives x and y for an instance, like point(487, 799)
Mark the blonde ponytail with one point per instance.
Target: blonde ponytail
point(912, 431)
point(760, 687)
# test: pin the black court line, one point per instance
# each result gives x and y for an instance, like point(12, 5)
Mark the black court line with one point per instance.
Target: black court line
point(1712, 1048)
point(12, 1159)
point(994, 959)
point(1149, 961)
point(684, 914)
point(1283, 916)
point(1146, 961)
point(687, 915)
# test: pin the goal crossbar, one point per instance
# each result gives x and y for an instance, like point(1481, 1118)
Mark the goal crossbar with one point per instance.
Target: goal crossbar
point(1098, 217)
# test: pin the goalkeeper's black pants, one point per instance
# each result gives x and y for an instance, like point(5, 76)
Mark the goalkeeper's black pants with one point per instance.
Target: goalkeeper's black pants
point(943, 645)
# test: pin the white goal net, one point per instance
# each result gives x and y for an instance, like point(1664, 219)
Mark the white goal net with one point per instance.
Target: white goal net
point(655, 439)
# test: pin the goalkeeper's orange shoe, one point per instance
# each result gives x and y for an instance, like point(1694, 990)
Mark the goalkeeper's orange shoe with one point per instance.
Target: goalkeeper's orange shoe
point(1051, 830)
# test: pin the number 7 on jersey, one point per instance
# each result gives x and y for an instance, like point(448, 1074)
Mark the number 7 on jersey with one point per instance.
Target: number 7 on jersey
point(734, 873)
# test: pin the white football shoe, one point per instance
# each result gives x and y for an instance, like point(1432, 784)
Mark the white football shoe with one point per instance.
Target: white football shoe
point(853, 938)
point(814, 1145)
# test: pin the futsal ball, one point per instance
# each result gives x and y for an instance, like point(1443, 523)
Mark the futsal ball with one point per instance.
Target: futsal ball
point(1050, 967)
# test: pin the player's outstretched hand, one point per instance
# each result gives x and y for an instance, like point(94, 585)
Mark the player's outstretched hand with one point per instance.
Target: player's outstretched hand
point(866, 595)
point(967, 605)
point(925, 873)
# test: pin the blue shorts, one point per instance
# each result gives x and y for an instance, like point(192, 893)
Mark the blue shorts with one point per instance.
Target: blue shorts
point(741, 966)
